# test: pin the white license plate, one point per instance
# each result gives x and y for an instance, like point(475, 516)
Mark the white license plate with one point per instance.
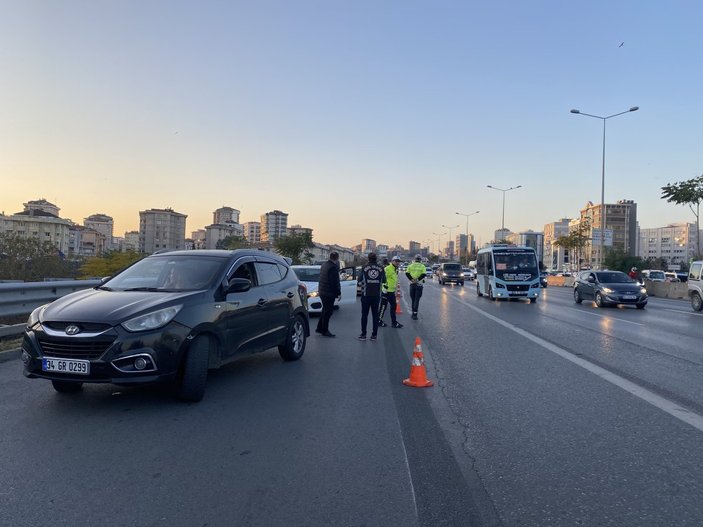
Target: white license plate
point(629, 297)
point(73, 366)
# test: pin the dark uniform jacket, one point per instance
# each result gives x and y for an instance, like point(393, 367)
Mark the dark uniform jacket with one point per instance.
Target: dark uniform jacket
point(371, 277)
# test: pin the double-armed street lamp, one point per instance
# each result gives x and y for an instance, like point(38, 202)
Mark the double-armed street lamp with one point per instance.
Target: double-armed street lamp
point(503, 190)
point(439, 237)
point(468, 248)
point(451, 251)
point(602, 184)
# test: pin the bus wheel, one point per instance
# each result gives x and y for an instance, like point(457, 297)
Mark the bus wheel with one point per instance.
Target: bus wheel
point(478, 290)
point(490, 292)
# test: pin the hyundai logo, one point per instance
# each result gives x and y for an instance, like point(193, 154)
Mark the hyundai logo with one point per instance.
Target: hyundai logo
point(72, 330)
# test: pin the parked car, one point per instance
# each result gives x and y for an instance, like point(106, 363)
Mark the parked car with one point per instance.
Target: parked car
point(671, 276)
point(695, 285)
point(310, 276)
point(609, 288)
point(169, 318)
point(450, 272)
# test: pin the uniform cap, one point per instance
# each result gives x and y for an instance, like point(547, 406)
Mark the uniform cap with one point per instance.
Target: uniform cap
point(395, 259)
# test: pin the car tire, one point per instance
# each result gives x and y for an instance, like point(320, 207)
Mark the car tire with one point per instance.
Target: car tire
point(696, 302)
point(641, 306)
point(461, 284)
point(478, 290)
point(533, 300)
point(490, 292)
point(294, 346)
point(67, 386)
point(577, 296)
point(193, 375)
point(599, 300)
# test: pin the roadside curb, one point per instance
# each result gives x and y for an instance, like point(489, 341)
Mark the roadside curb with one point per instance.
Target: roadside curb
point(9, 355)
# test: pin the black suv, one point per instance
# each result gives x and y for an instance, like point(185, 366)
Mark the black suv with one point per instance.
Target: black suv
point(169, 317)
point(450, 272)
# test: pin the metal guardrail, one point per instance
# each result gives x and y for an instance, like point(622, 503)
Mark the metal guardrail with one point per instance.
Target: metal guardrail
point(23, 297)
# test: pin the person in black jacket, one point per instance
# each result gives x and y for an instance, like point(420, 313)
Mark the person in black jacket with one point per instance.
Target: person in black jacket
point(370, 279)
point(328, 289)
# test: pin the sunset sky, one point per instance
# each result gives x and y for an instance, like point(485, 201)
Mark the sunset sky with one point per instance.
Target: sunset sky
point(361, 119)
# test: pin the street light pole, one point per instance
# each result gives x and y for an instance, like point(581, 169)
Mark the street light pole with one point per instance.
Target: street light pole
point(451, 254)
point(467, 231)
point(503, 190)
point(439, 237)
point(602, 183)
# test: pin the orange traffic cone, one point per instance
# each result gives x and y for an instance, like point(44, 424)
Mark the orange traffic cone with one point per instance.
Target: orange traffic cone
point(397, 301)
point(418, 374)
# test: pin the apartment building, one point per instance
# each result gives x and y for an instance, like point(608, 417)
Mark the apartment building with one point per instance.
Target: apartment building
point(84, 241)
point(555, 257)
point(161, 229)
point(620, 228)
point(225, 215)
point(252, 232)
point(219, 231)
point(39, 220)
point(103, 224)
point(676, 243)
point(529, 239)
point(274, 225)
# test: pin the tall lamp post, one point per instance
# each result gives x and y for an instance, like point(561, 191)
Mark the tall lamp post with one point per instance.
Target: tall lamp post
point(503, 190)
point(467, 231)
point(450, 227)
point(602, 183)
point(439, 250)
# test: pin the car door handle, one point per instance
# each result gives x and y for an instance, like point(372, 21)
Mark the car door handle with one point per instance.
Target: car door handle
point(261, 302)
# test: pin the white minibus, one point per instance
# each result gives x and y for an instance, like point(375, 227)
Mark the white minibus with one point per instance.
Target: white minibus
point(507, 271)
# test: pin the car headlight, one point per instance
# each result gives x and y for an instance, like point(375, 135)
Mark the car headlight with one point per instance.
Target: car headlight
point(500, 286)
point(314, 294)
point(35, 315)
point(643, 291)
point(607, 290)
point(153, 320)
point(461, 275)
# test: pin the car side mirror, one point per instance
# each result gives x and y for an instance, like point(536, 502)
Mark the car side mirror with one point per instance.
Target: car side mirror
point(238, 285)
point(591, 280)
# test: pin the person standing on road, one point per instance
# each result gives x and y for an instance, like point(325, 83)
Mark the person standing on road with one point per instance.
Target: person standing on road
point(328, 289)
point(416, 273)
point(371, 279)
point(388, 289)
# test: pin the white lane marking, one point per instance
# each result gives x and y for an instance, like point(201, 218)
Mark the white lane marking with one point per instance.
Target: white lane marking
point(670, 407)
point(684, 312)
point(610, 318)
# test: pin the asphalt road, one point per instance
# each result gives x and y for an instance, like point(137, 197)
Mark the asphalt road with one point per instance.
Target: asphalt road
point(543, 414)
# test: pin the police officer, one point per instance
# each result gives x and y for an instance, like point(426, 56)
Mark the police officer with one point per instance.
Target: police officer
point(416, 273)
point(388, 290)
point(370, 280)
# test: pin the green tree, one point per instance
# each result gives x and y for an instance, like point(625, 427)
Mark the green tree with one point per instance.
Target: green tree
point(31, 259)
point(232, 242)
point(619, 260)
point(295, 246)
point(689, 193)
point(108, 264)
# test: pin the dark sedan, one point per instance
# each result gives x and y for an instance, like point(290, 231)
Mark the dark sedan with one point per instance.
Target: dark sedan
point(609, 288)
point(169, 317)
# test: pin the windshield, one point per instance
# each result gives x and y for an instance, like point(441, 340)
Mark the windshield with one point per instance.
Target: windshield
point(657, 275)
point(516, 266)
point(169, 273)
point(614, 277)
point(307, 275)
point(452, 267)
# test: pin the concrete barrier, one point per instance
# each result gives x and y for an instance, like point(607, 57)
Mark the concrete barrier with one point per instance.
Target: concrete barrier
point(667, 289)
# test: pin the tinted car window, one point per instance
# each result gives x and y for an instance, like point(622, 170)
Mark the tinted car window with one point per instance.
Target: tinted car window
point(308, 275)
point(170, 273)
point(268, 273)
point(614, 278)
point(452, 267)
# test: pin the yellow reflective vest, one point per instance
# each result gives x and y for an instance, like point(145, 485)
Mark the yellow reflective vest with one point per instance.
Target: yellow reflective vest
point(391, 278)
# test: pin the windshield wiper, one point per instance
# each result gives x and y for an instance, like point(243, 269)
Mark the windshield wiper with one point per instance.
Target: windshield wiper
point(104, 288)
point(150, 289)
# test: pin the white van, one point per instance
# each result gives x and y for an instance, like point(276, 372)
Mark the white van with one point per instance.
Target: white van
point(695, 285)
point(654, 275)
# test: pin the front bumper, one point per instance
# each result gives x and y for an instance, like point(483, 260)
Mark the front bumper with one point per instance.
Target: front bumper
point(112, 354)
point(625, 299)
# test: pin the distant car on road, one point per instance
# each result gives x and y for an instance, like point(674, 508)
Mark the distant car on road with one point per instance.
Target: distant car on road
point(169, 317)
point(609, 288)
point(543, 279)
point(469, 273)
point(450, 272)
point(654, 275)
point(310, 276)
